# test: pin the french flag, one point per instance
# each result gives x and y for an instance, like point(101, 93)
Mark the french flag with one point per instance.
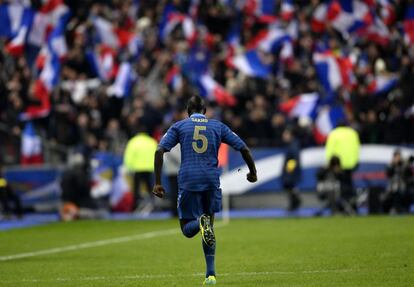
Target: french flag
point(171, 19)
point(333, 71)
point(45, 20)
point(301, 106)
point(409, 25)
point(233, 40)
point(49, 76)
point(40, 30)
point(135, 46)
point(327, 119)
point(101, 183)
point(173, 78)
point(190, 31)
point(269, 40)
point(387, 11)
point(249, 63)
point(102, 59)
point(319, 18)
point(214, 91)
point(57, 42)
point(382, 84)
point(286, 53)
point(16, 45)
point(31, 146)
point(106, 32)
point(121, 198)
point(41, 110)
point(349, 16)
point(287, 10)
point(123, 82)
point(10, 19)
point(263, 9)
point(378, 32)
point(109, 35)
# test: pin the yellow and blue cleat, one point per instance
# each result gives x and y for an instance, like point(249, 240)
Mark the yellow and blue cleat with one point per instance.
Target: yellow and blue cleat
point(207, 232)
point(210, 280)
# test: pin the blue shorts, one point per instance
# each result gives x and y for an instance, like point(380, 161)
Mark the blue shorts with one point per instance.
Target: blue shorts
point(191, 205)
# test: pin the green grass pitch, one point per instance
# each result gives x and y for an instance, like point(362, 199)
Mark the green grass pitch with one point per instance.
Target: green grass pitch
point(363, 251)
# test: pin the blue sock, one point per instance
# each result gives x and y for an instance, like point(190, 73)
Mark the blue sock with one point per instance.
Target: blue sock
point(191, 228)
point(209, 254)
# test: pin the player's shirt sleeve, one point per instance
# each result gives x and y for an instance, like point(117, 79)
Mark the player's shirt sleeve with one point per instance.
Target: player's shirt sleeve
point(230, 138)
point(170, 139)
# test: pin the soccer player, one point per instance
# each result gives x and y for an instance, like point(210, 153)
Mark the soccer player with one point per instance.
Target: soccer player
point(198, 180)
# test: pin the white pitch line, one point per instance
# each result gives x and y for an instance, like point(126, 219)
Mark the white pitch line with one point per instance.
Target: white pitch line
point(98, 243)
point(164, 276)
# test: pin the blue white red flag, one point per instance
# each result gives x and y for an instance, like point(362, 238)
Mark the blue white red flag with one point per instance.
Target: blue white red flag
point(333, 71)
point(264, 10)
point(287, 10)
point(327, 119)
point(123, 82)
point(382, 84)
point(301, 106)
point(269, 40)
point(251, 64)
point(31, 146)
point(212, 90)
point(16, 45)
point(102, 60)
point(349, 16)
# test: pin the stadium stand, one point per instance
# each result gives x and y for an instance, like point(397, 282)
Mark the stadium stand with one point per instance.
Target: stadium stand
point(88, 72)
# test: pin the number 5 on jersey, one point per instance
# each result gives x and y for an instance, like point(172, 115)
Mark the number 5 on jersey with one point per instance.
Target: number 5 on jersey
point(197, 136)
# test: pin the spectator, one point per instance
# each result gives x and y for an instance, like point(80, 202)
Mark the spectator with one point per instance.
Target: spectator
point(343, 142)
point(291, 169)
point(139, 160)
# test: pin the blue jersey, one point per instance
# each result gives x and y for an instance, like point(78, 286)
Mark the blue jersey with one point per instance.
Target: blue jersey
point(200, 139)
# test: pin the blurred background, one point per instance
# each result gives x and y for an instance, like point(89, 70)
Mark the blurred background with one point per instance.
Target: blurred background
point(323, 93)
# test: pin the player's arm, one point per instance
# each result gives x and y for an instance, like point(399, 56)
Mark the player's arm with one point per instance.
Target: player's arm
point(236, 142)
point(168, 141)
point(248, 158)
point(158, 189)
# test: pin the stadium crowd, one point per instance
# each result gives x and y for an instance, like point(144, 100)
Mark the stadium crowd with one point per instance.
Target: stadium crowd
point(161, 46)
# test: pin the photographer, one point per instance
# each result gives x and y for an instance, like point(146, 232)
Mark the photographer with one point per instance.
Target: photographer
point(7, 196)
point(331, 186)
point(399, 173)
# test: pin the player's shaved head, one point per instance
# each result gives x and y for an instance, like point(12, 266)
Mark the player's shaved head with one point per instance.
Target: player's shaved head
point(196, 104)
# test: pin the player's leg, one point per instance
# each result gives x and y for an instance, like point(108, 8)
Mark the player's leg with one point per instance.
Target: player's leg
point(187, 207)
point(212, 204)
point(189, 227)
point(207, 231)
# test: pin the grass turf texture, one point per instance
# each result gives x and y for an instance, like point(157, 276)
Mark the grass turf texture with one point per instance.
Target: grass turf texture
point(364, 251)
